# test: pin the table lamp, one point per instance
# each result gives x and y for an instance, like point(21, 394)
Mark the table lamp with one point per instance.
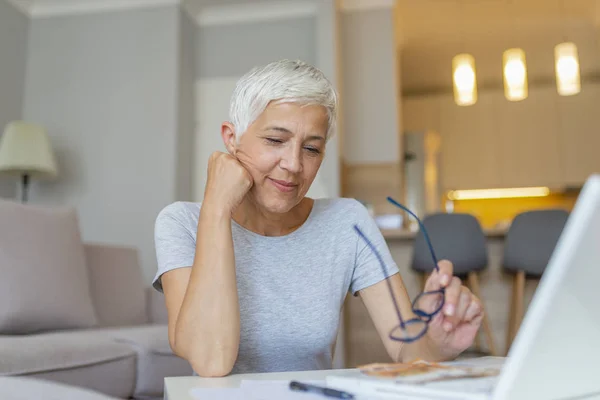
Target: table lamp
point(25, 151)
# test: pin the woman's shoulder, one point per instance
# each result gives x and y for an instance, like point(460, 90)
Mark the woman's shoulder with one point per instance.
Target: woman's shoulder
point(343, 208)
point(182, 213)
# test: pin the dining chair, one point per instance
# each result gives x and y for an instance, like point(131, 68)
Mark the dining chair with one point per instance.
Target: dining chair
point(459, 238)
point(528, 246)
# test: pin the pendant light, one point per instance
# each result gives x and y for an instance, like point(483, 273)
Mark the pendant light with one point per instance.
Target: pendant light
point(568, 81)
point(464, 79)
point(515, 74)
point(566, 63)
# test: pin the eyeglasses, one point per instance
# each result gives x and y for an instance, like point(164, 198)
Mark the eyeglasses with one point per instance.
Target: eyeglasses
point(412, 329)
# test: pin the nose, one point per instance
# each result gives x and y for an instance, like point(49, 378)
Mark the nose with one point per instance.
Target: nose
point(291, 160)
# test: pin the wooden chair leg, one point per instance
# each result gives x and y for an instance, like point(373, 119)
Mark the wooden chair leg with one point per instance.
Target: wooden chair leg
point(478, 335)
point(422, 279)
point(489, 337)
point(478, 341)
point(517, 309)
point(511, 317)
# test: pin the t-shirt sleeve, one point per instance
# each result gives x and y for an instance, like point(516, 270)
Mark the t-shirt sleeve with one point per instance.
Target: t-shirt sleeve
point(368, 270)
point(174, 242)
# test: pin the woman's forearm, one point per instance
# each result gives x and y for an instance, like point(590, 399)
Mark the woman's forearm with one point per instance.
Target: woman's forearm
point(207, 332)
point(422, 349)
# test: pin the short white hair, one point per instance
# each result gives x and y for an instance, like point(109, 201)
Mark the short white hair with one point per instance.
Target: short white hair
point(281, 81)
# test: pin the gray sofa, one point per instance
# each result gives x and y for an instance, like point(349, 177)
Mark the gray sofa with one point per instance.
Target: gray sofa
point(78, 313)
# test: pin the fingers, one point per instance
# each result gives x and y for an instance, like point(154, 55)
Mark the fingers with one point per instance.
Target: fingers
point(440, 278)
point(474, 311)
point(464, 302)
point(445, 273)
point(468, 309)
point(451, 299)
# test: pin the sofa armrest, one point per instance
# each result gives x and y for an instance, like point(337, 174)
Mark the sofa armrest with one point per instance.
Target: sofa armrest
point(117, 284)
point(157, 309)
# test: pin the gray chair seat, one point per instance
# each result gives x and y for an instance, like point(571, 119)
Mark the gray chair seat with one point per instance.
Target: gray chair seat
point(80, 358)
point(27, 388)
point(455, 237)
point(459, 238)
point(528, 247)
point(531, 239)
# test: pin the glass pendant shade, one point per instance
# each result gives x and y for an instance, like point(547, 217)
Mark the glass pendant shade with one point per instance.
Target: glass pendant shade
point(568, 80)
point(464, 79)
point(515, 74)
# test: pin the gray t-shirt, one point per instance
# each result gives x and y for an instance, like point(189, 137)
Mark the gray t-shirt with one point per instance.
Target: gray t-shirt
point(291, 288)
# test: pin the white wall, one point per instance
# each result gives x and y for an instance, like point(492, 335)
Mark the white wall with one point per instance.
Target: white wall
point(371, 122)
point(14, 28)
point(212, 108)
point(106, 86)
point(186, 107)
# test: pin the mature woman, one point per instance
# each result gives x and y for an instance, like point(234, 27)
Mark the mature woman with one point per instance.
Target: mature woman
point(255, 276)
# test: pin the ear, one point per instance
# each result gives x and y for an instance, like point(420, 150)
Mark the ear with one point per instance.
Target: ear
point(229, 137)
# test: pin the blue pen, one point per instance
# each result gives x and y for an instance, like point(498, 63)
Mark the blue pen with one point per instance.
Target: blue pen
point(305, 387)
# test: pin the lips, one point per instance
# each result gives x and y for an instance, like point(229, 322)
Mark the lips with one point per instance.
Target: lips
point(283, 186)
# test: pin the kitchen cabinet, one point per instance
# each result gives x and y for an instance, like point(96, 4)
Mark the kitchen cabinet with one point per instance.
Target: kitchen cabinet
point(422, 113)
point(529, 139)
point(580, 134)
point(469, 145)
point(544, 140)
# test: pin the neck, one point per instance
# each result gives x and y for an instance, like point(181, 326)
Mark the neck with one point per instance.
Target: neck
point(256, 219)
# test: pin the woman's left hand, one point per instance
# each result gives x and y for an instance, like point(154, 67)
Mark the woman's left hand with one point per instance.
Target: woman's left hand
point(453, 329)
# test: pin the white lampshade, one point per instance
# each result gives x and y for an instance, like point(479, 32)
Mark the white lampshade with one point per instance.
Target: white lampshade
point(464, 79)
point(568, 81)
point(515, 74)
point(25, 149)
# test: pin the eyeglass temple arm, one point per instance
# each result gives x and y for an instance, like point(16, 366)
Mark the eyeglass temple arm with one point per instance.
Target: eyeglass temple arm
point(382, 264)
point(394, 202)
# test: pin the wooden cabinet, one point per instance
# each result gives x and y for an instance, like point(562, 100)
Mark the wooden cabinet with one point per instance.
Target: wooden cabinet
point(580, 134)
point(544, 140)
point(529, 139)
point(469, 155)
point(422, 113)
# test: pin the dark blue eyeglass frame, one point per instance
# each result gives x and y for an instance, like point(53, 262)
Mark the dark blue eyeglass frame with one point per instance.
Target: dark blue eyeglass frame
point(417, 326)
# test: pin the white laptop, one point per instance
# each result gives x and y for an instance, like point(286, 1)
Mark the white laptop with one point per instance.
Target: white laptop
point(556, 353)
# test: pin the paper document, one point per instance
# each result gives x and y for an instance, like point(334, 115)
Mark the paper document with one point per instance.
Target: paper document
point(271, 390)
point(257, 390)
point(421, 372)
point(263, 390)
point(465, 379)
point(217, 393)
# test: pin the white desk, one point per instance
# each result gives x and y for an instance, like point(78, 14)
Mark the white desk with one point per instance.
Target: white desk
point(178, 388)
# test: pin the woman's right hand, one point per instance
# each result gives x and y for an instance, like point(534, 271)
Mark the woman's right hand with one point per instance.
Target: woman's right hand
point(228, 182)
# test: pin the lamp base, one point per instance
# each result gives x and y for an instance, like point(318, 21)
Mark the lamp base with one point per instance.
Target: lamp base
point(24, 187)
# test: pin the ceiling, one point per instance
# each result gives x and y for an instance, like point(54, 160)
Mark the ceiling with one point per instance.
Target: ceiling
point(431, 32)
point(195, 6)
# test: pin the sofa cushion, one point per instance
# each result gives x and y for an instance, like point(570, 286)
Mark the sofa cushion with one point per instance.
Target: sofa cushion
point(117, 283)
point(21, 388)
point(27, 354)
point(87, 358)
point(44, 281)
point(155, 360)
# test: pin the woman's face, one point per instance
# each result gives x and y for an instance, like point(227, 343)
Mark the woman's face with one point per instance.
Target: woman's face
point(283, 150)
